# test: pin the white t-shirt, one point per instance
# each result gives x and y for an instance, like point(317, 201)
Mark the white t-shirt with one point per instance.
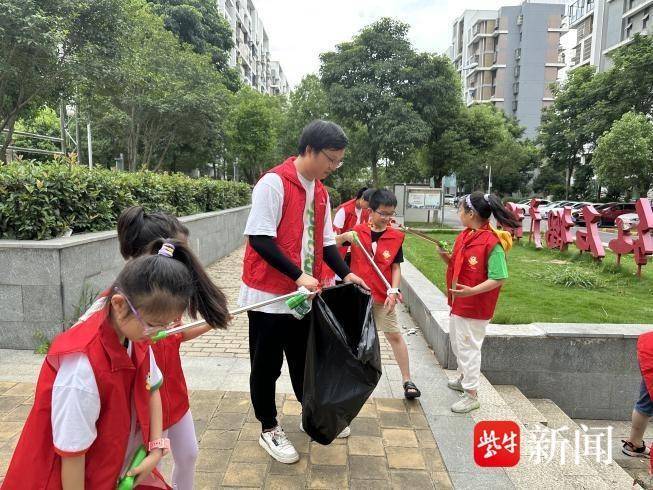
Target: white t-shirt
point(76, 402)
point(264, 219)
point(339, 218)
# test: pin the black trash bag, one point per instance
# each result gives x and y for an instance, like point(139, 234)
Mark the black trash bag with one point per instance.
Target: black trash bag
point(343, 361)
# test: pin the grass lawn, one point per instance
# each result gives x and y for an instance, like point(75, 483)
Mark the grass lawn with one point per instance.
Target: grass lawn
point(546, 285)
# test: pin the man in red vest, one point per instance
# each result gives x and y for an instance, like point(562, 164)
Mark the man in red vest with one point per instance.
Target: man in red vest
point(290, 237)
point(351, 213)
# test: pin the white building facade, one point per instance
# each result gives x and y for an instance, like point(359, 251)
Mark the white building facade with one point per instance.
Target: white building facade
point(251, 52)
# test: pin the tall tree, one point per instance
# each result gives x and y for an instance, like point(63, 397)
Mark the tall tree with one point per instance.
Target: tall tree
point(42, 45)
point(624, 155)
point(200, 24)
point(365, 79)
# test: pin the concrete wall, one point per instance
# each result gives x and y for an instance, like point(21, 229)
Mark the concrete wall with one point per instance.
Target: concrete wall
point(590, 371)
point(42, 282)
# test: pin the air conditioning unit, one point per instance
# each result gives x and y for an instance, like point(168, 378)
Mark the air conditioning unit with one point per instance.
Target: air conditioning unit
point(518, 53)
point(520, 20)
point(514, 106)
point(515, 88)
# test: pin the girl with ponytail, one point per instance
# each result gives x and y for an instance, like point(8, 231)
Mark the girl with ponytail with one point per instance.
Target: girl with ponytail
point(143, 233)
point(82, 430)
point(476, 270)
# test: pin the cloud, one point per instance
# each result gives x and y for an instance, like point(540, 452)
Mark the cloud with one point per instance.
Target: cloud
point(299, 30)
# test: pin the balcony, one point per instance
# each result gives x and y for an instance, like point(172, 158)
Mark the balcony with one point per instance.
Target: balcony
point(579, 9)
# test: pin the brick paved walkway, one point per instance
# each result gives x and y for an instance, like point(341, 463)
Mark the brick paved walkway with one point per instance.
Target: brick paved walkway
point(391, 445)
point(233, 342)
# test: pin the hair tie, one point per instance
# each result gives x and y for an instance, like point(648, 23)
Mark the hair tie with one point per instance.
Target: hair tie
point(487, 198)
point(167, 250)
point(468, 200)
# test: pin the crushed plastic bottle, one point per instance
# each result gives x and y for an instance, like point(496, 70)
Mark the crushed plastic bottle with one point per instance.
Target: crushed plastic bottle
point(300, 305)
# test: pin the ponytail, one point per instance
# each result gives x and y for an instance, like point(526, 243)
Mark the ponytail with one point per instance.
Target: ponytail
point(137, 229)
point(171, 277)
point(486, 205)
point(207, 299)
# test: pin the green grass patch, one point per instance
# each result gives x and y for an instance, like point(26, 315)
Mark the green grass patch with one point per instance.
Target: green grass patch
point(551, 286)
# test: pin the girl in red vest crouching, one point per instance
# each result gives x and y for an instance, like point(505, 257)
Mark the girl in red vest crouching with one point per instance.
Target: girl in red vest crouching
point(136, 230)
point(476, 270)
point(97, 397)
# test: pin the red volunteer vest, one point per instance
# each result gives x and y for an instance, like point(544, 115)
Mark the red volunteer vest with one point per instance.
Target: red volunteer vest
point(350, 219)
point(645, 358)
point(35, 463)
point(257, 273)
point(174, 393)
point(387, 248)
point(468, 266)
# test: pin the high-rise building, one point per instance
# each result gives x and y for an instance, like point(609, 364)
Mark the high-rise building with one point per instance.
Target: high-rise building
point(251, 52)
point(605, 25)
point(510, 58)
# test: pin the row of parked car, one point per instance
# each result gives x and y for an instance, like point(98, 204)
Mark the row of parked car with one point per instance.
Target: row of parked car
point(609, 211)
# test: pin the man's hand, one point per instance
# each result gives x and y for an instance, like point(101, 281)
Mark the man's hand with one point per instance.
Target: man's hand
point(354, 279)
point(462, 291)
point(309, 282)
point(390, 303)
point(147, 466)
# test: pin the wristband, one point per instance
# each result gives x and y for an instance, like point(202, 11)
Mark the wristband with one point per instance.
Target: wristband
point(162, 443)
point(392, 291)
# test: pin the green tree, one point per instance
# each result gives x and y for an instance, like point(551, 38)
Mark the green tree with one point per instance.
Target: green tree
point(200, 24)
point(366, 82)
point(43, 121)
point(624, 155)
point(253, 130)
point(548, 180)
point(45, 46)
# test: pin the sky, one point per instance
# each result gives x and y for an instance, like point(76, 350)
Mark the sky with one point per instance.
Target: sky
point(299, 30)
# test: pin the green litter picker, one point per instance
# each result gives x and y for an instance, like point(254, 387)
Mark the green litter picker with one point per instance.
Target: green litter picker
point(294, 300)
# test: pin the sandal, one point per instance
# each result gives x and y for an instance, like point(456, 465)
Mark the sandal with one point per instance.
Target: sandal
point(411, 391)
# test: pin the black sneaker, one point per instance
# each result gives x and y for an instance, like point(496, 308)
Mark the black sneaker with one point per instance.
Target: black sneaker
point(636, 452)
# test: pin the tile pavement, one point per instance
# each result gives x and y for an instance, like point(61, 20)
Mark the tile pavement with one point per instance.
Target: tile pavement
point(390, 445)
point(234, 341)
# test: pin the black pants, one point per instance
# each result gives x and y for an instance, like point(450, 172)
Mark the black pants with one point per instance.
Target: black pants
point(270, 337)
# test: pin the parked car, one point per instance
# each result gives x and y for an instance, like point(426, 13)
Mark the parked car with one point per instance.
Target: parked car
point(545, 210)
point(526, 205)
point(577, 213)
point(448, 199)
point(611, 212)
point(630, 220)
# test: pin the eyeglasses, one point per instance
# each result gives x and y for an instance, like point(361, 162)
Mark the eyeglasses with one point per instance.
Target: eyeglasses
point(147, 328)
point(334, 163)
point(386, 215)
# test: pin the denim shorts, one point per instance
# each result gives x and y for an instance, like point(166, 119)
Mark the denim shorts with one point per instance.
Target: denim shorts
point(644, 405)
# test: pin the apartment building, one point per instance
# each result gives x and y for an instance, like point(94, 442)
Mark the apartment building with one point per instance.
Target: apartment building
point(510, 58)
point(604, 25)
point(251, 53)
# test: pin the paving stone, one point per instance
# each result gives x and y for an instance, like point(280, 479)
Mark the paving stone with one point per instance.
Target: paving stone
point(298, 468)
point(365, 446)
point(208, 481)
point(365, 427)
point(368, 410)
point(251, 431)
point(9, 429)
point(249, 452)
point(390, 405)
point(227, 421)
point(10, 403)
point(236, 405)
point(368, 468)
point(395, 420)
point(290, 423)
point(399, 437)
point(291, 407)
point(219, 439)
point(245, 475)
point(5, 385)
point(434, 461)
point(425, 438)
point(300, 440)
point(328, 455)
point(369, 485)
point(19, 414)
point(405, 458)
point(402, 479)
point(284, 482)
point(20, 389)
point(213, 461)
point(328, 477)
point(418, 421)
point(441, 480)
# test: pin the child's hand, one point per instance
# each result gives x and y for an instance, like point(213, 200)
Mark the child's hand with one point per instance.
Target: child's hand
point(147, 466)
point(349, 236)
point(462, 291)
point(390, 303)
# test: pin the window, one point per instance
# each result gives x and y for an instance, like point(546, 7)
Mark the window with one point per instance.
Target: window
point(645, 20)
point(521, 35)
point(515, 88)
point(629, 29)
point(517, 53)
point(514, 106)
point(516, 70)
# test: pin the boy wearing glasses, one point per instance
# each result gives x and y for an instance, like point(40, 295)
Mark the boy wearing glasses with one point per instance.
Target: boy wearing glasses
point(384, 244)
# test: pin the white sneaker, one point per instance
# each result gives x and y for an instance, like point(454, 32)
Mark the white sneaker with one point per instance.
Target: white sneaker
point(345, 432)
point(277, 444)
point(455, 384)
point(467, 403)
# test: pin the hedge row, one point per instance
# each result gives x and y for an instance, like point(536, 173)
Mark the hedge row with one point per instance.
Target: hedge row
point(41, 201)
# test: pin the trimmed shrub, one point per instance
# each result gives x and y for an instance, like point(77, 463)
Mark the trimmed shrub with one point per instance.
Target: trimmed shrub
point(41, 201)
